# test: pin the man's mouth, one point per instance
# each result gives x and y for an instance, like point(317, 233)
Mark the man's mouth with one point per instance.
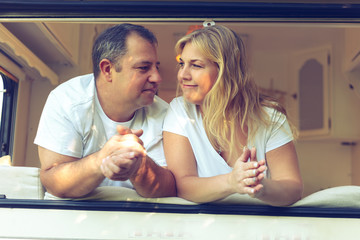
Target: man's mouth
point(154, 90)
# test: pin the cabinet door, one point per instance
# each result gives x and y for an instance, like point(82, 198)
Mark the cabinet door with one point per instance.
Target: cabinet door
point(309, 101)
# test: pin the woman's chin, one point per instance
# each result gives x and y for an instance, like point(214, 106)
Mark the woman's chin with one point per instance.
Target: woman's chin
point(191, 99)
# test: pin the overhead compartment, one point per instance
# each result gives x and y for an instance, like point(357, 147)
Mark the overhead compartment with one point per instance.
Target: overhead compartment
point(64, 38)
point(55, 43)
point(17, 52)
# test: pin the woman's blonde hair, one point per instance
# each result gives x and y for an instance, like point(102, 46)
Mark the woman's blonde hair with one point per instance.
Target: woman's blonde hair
point(234, 101)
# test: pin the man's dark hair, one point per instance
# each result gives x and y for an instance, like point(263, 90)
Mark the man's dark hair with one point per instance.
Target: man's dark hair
point(111, 44)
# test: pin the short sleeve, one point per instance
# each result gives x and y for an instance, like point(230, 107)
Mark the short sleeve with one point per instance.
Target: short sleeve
point(280, 131)
point(56, 131)
point(175, 119)
point(156, 152)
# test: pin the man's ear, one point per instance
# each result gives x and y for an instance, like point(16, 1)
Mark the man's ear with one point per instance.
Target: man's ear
point(106, 67)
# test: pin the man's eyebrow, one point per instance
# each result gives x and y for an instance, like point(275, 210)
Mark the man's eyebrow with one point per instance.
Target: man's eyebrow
point(148, 62)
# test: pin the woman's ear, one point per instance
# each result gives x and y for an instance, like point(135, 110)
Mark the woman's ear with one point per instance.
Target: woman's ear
point(106, 67)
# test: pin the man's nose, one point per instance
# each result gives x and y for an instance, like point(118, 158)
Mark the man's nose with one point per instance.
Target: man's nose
point(155, 77)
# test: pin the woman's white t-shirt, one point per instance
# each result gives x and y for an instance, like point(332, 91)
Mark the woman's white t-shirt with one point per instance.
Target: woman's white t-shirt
point(184, 119)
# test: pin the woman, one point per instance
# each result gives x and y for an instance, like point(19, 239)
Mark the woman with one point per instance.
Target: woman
point(222, 137)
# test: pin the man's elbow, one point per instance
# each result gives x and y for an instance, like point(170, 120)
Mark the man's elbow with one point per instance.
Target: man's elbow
point(57, 187)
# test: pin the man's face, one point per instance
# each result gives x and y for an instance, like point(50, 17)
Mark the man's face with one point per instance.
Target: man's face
point(137, 81)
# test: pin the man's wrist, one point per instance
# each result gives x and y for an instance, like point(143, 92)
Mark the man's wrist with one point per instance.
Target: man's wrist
point(141, 171)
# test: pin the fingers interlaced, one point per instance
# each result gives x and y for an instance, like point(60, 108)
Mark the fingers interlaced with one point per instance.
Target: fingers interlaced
point(121, 165)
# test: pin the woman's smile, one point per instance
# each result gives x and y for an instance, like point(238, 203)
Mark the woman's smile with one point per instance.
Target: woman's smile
point(196, 75)
point(189, 85)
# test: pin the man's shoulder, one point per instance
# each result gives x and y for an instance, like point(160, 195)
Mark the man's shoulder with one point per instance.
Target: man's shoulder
point(76, 90)
point(73, 97)
point(157, 108)
point(160, 102)
point(76, 83)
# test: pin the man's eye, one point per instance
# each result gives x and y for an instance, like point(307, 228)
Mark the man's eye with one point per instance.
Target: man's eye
point(144, 68)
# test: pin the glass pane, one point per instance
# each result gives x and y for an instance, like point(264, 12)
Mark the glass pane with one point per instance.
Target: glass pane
point(270, 46)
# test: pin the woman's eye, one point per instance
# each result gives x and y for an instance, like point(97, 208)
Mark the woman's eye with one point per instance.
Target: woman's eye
point(181, 64)
point(197, 66)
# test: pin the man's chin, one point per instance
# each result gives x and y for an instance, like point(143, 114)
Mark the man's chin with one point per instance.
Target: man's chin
point(147, 101)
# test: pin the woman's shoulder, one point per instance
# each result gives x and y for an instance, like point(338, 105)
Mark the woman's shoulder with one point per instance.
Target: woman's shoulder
point(177, 101)
point(274, 114)
point(179, 106)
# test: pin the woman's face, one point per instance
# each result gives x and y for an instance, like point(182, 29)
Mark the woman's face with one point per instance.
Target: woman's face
point(196, 74)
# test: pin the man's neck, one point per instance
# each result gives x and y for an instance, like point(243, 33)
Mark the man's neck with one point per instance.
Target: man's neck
point(115, 111)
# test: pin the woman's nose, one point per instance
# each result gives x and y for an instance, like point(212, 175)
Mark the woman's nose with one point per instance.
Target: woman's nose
point(184, 73)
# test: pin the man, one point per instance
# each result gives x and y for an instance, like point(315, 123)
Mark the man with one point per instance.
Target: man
point(84, 137)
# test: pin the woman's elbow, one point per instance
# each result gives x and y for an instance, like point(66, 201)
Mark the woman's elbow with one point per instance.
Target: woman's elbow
point(295, 194)
point(298, 191)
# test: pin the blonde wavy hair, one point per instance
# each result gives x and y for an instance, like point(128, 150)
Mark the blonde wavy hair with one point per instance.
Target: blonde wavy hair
point(234, 102)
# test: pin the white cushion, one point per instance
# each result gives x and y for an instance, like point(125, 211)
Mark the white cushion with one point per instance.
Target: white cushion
point(343, 196)
point(21, 182)
point(111, 193)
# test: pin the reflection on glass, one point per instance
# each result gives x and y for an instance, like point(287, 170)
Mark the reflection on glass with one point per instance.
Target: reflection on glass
point(66, 49)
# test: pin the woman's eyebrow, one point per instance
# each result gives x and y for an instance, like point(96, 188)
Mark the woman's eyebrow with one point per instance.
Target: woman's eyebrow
point(192, 60)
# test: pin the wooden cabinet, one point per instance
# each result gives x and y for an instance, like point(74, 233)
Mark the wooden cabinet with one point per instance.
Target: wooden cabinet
point(352, 49)
point(309, 99)
point(320, 103)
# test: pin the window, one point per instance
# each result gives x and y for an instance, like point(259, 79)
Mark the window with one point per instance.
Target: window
point(264, 18)
point(8, 96)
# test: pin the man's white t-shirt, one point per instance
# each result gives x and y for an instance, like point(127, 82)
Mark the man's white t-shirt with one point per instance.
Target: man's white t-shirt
point(184, 119)
point(74, 124)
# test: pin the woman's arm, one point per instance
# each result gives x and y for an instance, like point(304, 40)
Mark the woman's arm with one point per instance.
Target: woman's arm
point(181, 161)
point(285, 186)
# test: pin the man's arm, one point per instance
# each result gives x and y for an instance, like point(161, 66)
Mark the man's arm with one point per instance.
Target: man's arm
point(148, 178)
point(123, 157)
point(69, 177)
point(152, 180)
